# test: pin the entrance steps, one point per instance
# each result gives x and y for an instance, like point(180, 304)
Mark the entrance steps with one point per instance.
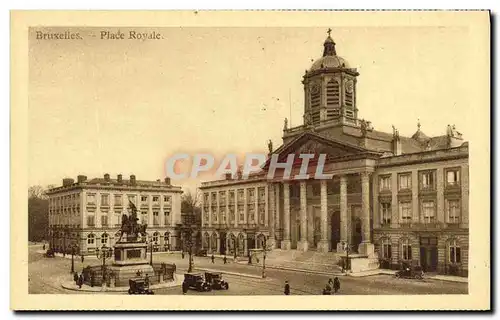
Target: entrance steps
point(308, 260)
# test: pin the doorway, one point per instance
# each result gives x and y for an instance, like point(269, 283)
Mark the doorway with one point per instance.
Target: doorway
point(335, 229)
point(223, 242)
point(428, 254)
point(356, 233)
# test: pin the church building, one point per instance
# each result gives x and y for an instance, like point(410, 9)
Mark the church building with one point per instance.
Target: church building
point(392, 199)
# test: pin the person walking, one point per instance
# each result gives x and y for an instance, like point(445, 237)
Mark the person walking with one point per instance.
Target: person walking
point(225, 259)
point(185, 287)
point(82, 258)
point(213, 258)
point(44, 247)
point(146, 281)
point(182, 254)
point(75, 278)
point(80, 281)
point(287, 288)
point(336, 284)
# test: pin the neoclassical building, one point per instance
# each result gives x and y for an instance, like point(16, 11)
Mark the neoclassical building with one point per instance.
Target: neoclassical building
point(392, 198)
point(86, 214)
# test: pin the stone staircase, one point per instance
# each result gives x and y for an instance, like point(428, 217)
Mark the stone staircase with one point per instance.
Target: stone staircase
point(309, 260)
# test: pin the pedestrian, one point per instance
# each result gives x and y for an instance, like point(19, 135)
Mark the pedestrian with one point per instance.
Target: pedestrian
point(174, 266)
point(82, 258)
point(336, 284)
point(213, 258)
point(328, 289)
point(330, 282)
point(80, 281)
point(92, 279)
point(44, 247)
point(182, 254)
point(185, 287)
point(146, 281)
point(75, 277)
point(225, 259)
point(287, 288)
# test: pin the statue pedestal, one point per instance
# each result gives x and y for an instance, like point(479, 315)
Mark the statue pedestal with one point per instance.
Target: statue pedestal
point(130, 258)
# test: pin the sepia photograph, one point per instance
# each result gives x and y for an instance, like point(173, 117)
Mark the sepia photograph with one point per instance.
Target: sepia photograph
point(241, 162)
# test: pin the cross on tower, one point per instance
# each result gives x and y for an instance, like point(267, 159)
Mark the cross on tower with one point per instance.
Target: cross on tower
point(329, 31)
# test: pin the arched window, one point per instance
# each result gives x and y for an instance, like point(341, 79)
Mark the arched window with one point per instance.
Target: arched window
point(206, 241)
point(454, 252)
point(156, 237)
point(405, 249)
point(213, 244)
point(232, 242)
point(90, 239)
point(241, 242)
point(104, 238)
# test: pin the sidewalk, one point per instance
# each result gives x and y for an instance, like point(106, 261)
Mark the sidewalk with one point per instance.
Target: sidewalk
point(393, 272)
point(70, 285)
point(231, 273)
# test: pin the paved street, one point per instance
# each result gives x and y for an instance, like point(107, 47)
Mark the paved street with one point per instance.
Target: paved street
point(46, 275)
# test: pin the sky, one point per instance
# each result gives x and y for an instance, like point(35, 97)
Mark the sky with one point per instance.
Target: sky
point(101, 106)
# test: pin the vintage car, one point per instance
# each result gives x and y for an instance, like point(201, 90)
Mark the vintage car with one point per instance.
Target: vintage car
point(50, 253)
point(201, 253)
point(138, 286)
point(196, 281)
point(413, 272)
point(214, 279)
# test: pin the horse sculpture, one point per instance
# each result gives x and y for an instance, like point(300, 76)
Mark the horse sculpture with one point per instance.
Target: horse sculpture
point(130, 225)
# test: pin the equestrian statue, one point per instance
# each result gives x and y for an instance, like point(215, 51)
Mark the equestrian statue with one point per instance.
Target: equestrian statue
point(130, 225)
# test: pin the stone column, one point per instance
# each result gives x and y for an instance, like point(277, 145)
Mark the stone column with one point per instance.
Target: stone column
point(235, 208)
point(365, 247)
point(272, 207)
point(303, 244)
point(227, 209)
point(278, 209)
point(343, 214)
point(256, 211)
point(266, 207)
point(209, 209)
point(286, 243)
point(245, 206)
point(323, 243)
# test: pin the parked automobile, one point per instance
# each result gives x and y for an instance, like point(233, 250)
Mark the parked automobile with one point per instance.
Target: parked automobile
point(138, 286)
point(50, 253)
point(414, 272)
point(196, 281)
point(214, 279)
point(201, 253)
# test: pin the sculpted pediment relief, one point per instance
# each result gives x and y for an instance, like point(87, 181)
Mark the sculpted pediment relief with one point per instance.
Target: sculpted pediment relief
point(312, 145)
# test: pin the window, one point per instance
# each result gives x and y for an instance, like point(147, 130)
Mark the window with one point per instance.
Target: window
point(131, 198)
point(104, 221)
point(385, 208)
point(428, 211)
point(156, 237)
point(262, 194)
point(156, 218)
point(427, 181)
point(167, 199)
point(231, 196)
point(241, 195)
point(404, 181)
point(118, 200)
point(332, 94)
point(104, 200)
point(214, 197)
point(315, 96)
point(251, 195)
point(144, 217)
point(223, 214)
point(205, 198)
point(241, 213)
point(452, 177)
point(166, 240)
point(251, 212)
point(90, 221)
point(405, 211)
point(316, 189)
point(386, 248)
point(231, 214)
point(455, 254)
point(453, 209)
point(104, 238)
point(156, 199)
point(385, 183)
point(91, 199)
point(90, 239)
point(406, 249)
point(144, 199)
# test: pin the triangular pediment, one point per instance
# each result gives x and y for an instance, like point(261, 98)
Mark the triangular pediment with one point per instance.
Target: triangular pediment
point(310, 143)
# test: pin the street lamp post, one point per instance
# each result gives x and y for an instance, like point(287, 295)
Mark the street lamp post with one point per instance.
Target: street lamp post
point(105, 252)
point(73, 249)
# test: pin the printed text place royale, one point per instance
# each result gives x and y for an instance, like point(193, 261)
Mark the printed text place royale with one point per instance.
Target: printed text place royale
point(134, 35)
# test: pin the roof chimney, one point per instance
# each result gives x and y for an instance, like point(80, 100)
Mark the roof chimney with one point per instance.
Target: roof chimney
point(167, 180)
point(67, 182)
point(81, 178)
point(132, 179)
point(229, 176)
point(120, 178)
point(106, 177)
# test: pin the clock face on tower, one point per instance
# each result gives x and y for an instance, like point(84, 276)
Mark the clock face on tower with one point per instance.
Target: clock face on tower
point(349, 86)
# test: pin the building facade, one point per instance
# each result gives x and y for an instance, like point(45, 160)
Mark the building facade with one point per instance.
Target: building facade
point(392, 198)
point(86, 215)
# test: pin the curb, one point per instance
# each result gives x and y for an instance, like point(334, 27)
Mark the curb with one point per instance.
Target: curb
point(300, 270)
point(70, 285)
point(246, 275)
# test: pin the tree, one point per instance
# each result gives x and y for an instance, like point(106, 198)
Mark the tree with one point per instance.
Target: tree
point(191, 212)
point(190, 201)
point(38, 213)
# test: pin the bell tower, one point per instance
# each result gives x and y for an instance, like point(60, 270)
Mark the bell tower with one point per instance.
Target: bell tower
point(330, 89)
